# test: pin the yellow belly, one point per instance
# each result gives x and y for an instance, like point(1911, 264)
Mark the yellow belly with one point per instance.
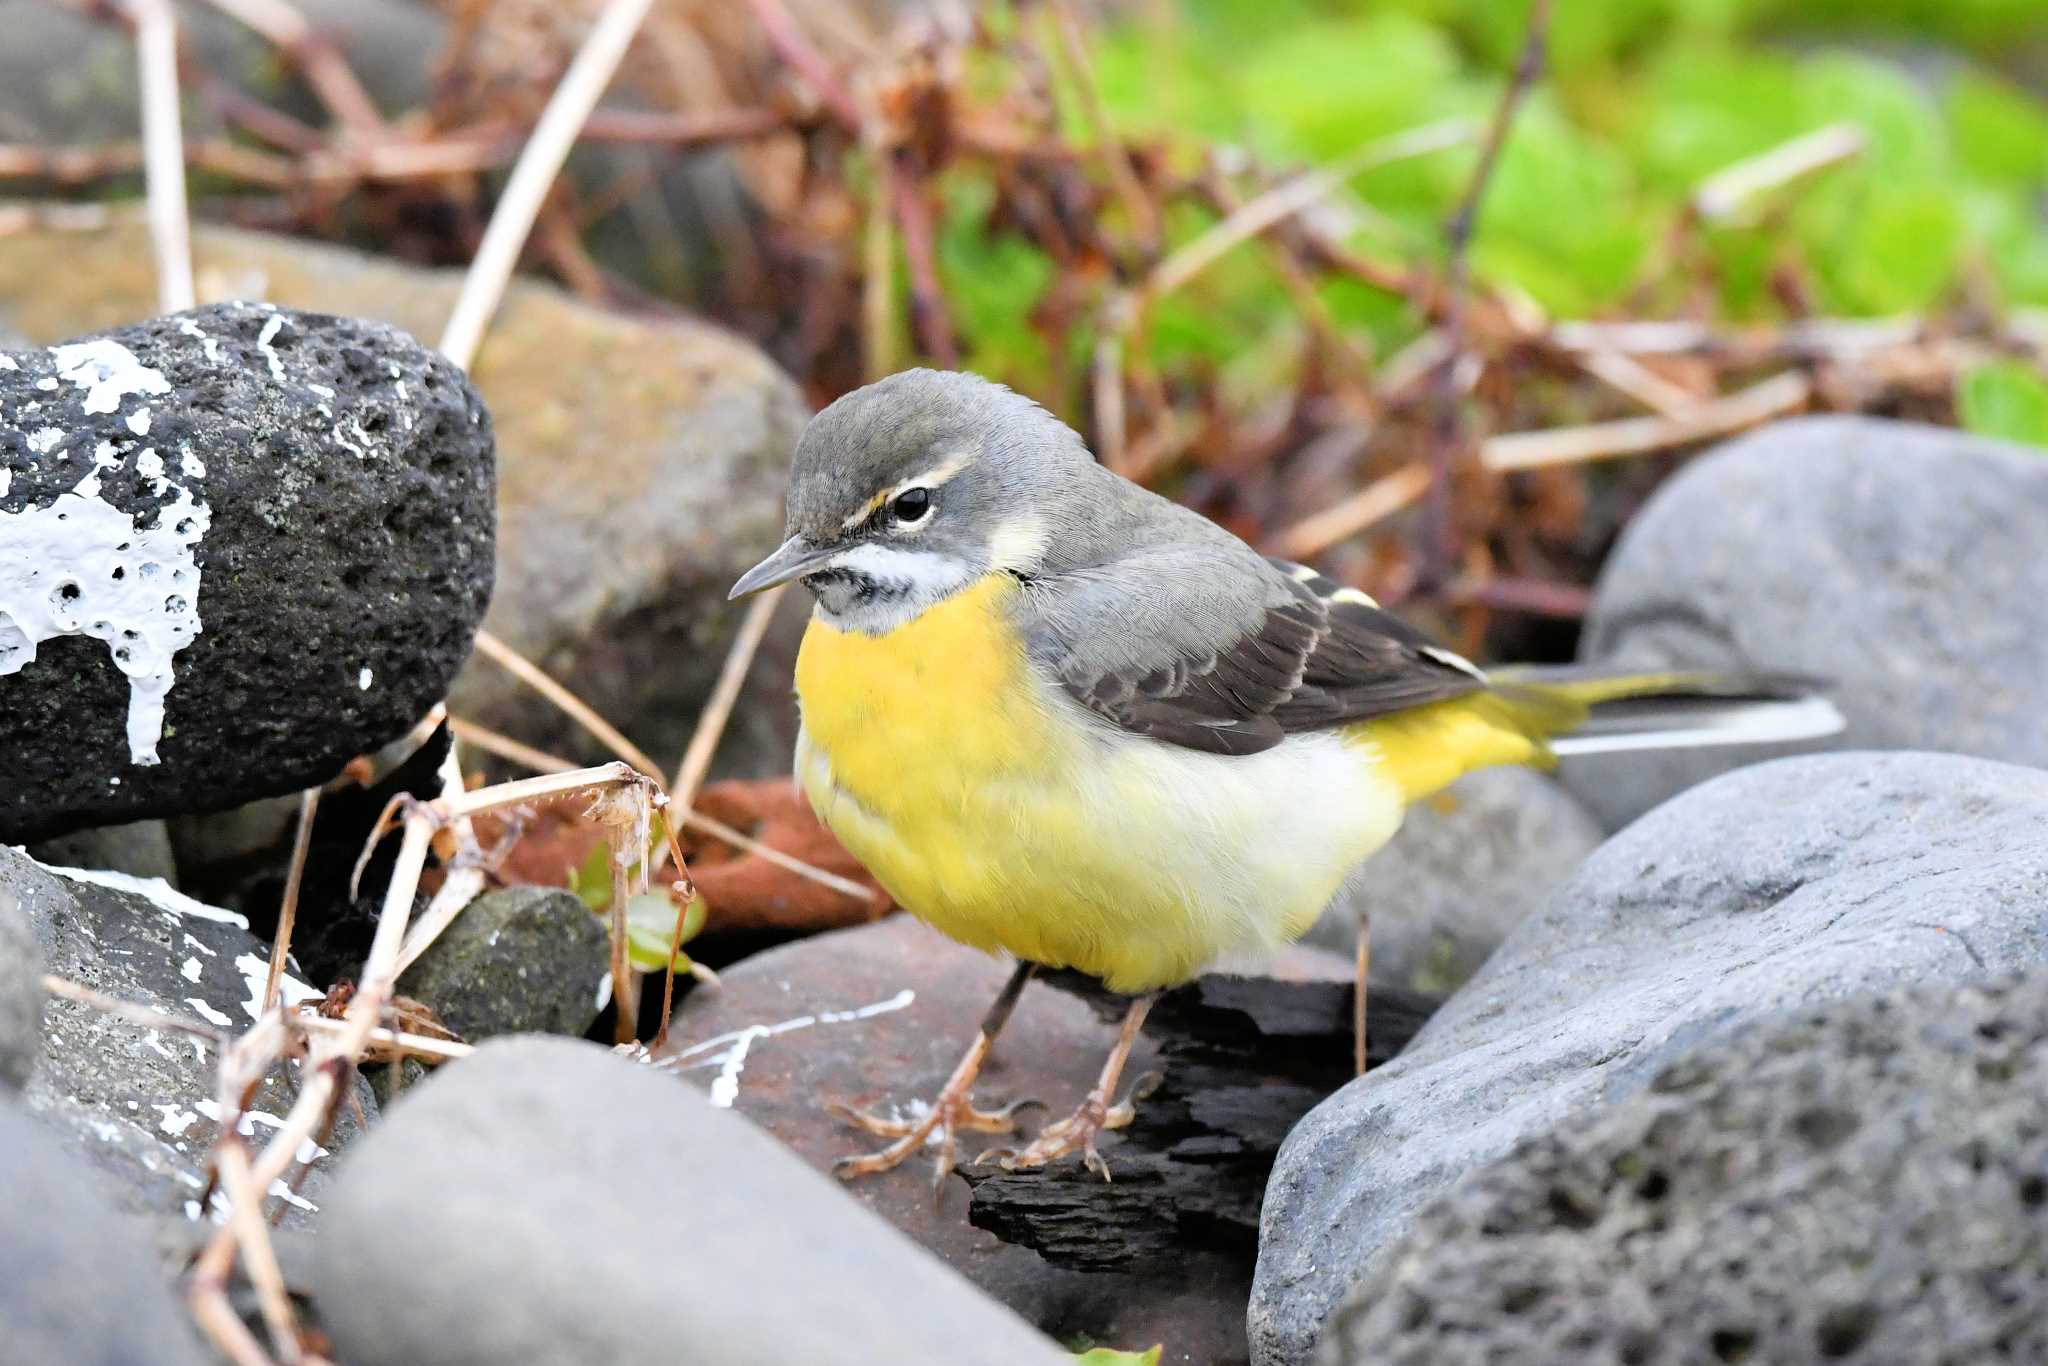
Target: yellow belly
point(993, 807)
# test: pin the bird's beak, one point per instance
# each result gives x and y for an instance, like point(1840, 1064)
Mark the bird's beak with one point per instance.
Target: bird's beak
point(793, 559)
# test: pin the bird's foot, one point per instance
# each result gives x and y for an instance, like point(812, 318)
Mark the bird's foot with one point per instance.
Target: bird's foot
point(953, 1113)
point(1077, 1132)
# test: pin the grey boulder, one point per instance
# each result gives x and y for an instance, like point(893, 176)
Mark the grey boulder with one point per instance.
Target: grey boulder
point(576, 1206)
point(1903, 563)
point(140, 849)
point(138, 1101)
point(78, 1284)
point(1772, 887)
point(1466, 866)
point(21, 989)
point(641, 467)
point(1866, 1180)
point(521, 960)
point(238, 547)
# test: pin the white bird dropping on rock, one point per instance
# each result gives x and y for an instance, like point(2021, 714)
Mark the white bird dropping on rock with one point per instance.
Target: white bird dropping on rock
point(81, 566)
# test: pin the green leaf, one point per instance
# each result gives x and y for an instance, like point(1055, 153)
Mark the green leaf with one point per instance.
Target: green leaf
point(2005, 398)
point(593, 881)
point(1889, 248)
point(1109, 1356)
point(651, 922)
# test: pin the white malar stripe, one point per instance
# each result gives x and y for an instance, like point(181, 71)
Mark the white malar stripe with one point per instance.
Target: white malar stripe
point(1758, 723)
point(925, 571)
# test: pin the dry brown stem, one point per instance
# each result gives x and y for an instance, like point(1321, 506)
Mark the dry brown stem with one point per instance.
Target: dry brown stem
point(1774, 397)
point(523, 669)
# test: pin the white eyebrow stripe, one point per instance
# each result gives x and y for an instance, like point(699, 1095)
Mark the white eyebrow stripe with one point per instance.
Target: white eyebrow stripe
point(930, 479)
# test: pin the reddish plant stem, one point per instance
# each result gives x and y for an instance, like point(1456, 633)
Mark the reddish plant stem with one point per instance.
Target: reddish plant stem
point(1450, 437)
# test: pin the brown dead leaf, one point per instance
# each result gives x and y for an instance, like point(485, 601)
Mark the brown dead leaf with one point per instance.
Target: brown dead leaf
point(743, 890)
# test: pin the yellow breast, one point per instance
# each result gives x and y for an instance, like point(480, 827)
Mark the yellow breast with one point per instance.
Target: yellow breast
point(992, 806)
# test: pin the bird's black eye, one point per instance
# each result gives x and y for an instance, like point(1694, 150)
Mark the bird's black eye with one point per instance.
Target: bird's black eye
point(911, 505)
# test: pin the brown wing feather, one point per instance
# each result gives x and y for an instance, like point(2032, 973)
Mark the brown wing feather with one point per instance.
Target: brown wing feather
point(1321, 658)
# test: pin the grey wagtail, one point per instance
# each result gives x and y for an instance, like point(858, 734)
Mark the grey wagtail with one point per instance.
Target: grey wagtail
point(1058, 715)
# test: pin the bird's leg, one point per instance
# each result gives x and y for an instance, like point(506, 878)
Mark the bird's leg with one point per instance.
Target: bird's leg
point(1078, 1131)
point(1358, 992)
point(951, 1111)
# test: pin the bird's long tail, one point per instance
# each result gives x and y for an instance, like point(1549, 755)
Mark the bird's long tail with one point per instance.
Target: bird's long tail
point(1539, 715)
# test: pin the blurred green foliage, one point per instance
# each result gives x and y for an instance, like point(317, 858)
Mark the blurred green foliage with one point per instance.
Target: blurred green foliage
point(2005, 398)
point(1644, 100)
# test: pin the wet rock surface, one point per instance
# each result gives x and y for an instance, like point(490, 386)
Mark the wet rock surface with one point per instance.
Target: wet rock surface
point(641, 467)
point(522, 960)
point(1465, 868)
point(1776, 886)
point(138, 1102)
point(238, 546)
point(1840, 548)
point(663, 1227)
point(1866, 1181)
point(76, 1282)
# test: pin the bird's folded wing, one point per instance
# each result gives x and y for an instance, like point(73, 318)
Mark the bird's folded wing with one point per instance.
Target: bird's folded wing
point(1229, 654)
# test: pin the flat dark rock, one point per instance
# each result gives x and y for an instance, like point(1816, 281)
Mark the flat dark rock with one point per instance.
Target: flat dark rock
point(1240, 1061)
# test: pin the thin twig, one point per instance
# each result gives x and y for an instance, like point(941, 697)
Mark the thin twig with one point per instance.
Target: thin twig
point(507, 748)
point(307, 48)
point(732, 676)
point(1630, 376)
point(1123, 176)
point(1567, 602)
point(695, 128)
point(1799, 339)
point(464, 880)
point(928, 314)
point(1723, 196)
point(581, 86)
point(581, 712)
point(794, 47)
point(441, 1050)
point(81, 164)
point(769, 853)
point(544, 788)
point(878, 264)
point(149, 1017)
point(245, 1210)
point(288, 905)
point(156, 54)
point(1774, 397)
point(1120, 314)
point(1374, 503)
point(1294, 195)
point(1438, 546)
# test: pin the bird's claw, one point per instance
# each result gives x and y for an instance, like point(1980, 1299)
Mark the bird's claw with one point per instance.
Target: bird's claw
point(947, 1117)
point(1077, 1132)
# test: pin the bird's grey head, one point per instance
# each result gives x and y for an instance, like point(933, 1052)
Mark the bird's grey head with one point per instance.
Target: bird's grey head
point(910, 489)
